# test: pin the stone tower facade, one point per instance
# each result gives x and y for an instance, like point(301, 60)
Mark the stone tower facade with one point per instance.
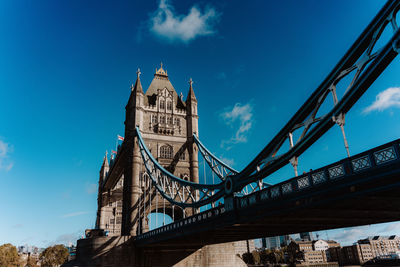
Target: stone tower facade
point(167, 123)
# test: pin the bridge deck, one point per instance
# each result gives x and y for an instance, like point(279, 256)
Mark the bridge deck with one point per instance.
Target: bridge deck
point(355, 191)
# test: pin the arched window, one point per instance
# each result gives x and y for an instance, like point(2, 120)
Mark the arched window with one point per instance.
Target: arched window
point(169, 105)
point(166, 152)
point(169, 120)
point(154, 118)
point(177, 121)
point(162, 104)
point(162, 119)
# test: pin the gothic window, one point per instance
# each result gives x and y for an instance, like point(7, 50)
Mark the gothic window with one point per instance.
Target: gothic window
point(112, 221)
point(166, 152)
point(154, 119)
point(110, 204)
point(182, 156)
point(169, 105)
point(162, 104)
point(177, 121)
point(119, 220)
point(162, 119)
point(169, 120)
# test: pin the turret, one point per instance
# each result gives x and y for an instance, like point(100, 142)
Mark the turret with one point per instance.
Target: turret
point(104, 169)
point(132, 116)
point(191, 107)
point(192, 128)
point(103, 174)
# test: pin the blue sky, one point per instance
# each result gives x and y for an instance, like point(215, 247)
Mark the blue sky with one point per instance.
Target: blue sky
point(66, 68)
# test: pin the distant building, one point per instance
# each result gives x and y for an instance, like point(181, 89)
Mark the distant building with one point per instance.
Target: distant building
point(25, 249)
point(310, 255)
point(374, 247)
point(354, 254)
point(306, 236)
point(275, 242)
point(314, 251)
point(25, 252)
point(324, 245)
point(382, 245)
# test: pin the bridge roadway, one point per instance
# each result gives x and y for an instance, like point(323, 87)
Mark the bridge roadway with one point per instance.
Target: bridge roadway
point(360, 190)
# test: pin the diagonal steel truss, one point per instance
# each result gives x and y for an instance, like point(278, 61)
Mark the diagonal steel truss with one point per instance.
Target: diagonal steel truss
point(221, 169)
point(364, 62)
point(176, 190)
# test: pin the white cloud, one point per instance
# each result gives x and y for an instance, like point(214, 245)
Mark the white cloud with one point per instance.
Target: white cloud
point(385, 99)
point(74, 214)
point(5, 150)
point(228, 161)
point(166, 24)
point(243, 115)
point(351, 235)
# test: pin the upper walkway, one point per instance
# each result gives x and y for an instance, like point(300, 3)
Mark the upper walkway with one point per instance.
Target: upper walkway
point(359, 190)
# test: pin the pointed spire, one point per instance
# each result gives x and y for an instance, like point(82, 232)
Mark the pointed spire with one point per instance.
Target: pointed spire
point(191, 95)
point(105, 160)
point(138, 85)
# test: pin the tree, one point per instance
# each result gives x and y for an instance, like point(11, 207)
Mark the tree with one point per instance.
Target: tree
point(264, 256)
point(54, 256)
point(31, 262)
point(279, 256)
point(9, 256)
point(256, 257)
point(295, 256)
point(248, 258)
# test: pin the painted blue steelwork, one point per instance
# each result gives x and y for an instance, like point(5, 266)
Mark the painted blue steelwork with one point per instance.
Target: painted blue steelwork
point(221, 169)
point(368, 65)
point(384, 158)
point(172, 187)
point(361, 60)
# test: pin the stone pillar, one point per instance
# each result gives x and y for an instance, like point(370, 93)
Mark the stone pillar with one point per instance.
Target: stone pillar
point(131, 190)
point(102, 224)
point(194, 163)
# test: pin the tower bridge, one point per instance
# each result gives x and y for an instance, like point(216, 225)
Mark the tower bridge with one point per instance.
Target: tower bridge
point(156, 169)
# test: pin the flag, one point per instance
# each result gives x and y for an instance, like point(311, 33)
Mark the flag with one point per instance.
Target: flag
point(113, 152)
point(120, 138)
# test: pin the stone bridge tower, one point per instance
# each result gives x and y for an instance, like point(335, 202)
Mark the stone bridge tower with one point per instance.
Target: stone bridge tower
point(167, 123)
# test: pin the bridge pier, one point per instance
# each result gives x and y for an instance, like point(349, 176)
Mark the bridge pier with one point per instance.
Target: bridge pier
point(119, 251)
point(131, 190)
